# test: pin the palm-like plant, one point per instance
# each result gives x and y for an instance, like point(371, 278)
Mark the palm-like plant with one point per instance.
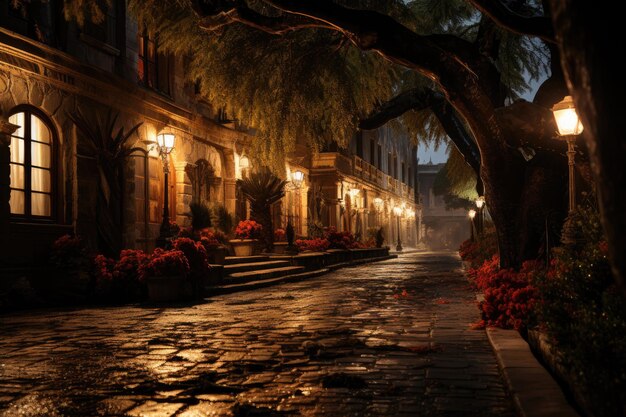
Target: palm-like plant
point(110, 148)
point(262, 189)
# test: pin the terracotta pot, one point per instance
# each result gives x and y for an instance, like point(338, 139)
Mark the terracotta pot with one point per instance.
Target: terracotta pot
point(243, 247)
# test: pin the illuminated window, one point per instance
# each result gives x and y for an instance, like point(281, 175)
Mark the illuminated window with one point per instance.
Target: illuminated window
point(154, 66)
point(32, 166)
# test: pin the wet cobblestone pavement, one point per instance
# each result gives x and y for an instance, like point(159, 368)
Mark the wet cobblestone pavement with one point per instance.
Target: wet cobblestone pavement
point(385, 339)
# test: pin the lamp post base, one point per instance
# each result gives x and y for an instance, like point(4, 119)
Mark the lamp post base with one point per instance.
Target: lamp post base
point(399, 247)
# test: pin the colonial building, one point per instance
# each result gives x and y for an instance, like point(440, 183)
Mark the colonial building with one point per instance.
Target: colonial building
point(370, 184)
point(442, 228)
point(69, 94)
point(54, 179)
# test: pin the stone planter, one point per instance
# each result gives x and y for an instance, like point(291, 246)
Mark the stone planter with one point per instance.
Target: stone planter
point(168, 289)
point(243, 247)
point(280, 247)
point(216, 254)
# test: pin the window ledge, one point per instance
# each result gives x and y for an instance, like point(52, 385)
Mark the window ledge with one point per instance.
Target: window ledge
point(103, 46)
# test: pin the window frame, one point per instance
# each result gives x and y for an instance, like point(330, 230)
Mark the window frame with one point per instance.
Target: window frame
point(27, 216)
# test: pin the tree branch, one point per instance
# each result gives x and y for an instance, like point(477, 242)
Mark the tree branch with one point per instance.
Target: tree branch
point(499, 12)
point(420, 99)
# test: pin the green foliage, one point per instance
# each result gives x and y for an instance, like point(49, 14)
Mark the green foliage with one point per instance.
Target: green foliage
point(222, 219)
point(584, 313)
point(456, 182)
point(262, 189)
point(200, 216)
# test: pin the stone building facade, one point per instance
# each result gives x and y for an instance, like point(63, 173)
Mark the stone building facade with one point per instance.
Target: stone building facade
point(442, 228)
point(50, 180)
point(359, 187)
point(53, 181)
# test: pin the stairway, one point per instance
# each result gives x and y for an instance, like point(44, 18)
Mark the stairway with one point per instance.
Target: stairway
point(239, 270)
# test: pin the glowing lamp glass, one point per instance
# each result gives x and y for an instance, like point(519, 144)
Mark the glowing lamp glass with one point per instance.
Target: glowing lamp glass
point(166, 141)
point(297, 177)
point(566, 118)
point(244, 162)
point(471, 214)
point(397, 211)
point(480, 202)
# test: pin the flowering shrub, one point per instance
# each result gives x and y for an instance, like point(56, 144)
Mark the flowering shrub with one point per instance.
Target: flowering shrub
point(477, 252)
point(68, 252)
point(102, 272)
point(279, 235)
point(196, 257)
point(165, 263)
point(509, 296)
point(248, 229)
point(187, 232)
point(315, 245)
point(340, 240)
point(583, 312)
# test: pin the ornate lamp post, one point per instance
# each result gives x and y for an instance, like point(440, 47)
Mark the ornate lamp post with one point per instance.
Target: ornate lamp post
point(569, 126)
point(398, 212)
point(480, 203)
point(165, 146)
point(471, 214)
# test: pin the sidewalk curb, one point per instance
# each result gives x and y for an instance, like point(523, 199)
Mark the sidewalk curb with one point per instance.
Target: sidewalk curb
point(535, 393)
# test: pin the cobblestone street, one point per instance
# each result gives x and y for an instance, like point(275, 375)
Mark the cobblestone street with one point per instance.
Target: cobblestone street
point(385, 339)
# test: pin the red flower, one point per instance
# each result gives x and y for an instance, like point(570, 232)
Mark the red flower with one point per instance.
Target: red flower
point(248, 229)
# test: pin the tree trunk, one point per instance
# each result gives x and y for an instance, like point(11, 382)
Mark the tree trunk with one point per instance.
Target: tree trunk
point(597, 83)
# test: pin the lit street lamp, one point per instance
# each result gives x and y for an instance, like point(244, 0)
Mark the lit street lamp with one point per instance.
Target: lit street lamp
point(398, 212)
point(472, 214)
point(480, 203)
point(569, 126)
point(165, 146)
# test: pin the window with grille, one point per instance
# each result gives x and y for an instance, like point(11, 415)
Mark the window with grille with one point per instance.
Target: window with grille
point(32, 166)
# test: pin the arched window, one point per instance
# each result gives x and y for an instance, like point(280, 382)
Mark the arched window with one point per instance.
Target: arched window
point(32, 165)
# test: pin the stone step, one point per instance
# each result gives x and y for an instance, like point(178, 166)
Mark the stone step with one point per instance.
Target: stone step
point(230, 260)
point(240, 277)
point(254, 266)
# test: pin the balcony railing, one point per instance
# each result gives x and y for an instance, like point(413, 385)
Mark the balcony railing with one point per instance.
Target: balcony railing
point(359, 168)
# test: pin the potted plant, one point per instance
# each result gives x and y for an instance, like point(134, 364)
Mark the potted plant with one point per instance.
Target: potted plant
point(280, 241)
point(247, 234)
point(166, 275)
point(214, 244)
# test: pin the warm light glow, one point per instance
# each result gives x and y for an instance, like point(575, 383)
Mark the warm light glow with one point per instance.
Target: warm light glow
point(566, 117)
point(354, 192)
point(166, 142)
point(480, 201)
point(378, 203)
point(244, 162)
point(471, 214)
point(297, 177)
point(397, 211)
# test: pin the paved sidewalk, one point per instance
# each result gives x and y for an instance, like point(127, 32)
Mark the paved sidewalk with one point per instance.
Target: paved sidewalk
point(384, 339)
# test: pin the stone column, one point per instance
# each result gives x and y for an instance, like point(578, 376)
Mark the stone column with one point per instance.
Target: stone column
point(6, 129)
point(183, 193)
point(230, 181)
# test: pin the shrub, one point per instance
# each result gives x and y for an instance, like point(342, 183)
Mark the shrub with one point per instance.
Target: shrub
point(68, 252)
point(200, 216)
point(340, 240)
point(164, 263)
point(248, 229)
point(509, 296)
point(102, 275)
point(223, 219)
point(481, 250)
point(314, 245)
point(196, 256)
point(583, 313)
